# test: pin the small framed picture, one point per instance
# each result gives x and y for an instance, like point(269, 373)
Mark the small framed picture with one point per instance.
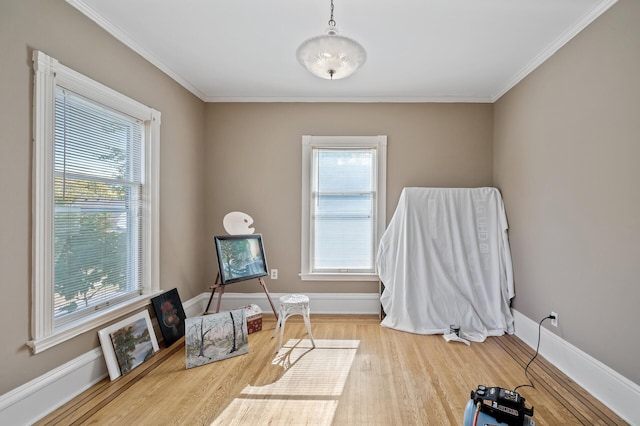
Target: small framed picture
point(170, 315)
point(215, 337)
point(240, 257)
point(128, 343)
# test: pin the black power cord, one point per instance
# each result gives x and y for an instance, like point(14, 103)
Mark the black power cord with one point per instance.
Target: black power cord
point(526, 369)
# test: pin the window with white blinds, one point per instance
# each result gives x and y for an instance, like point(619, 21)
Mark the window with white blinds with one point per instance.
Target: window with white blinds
point(95, 212)
point(343, 210)
point(97, 223)
point(343, 206)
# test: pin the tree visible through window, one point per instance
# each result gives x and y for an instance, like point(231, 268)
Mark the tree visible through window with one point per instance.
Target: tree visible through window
point(95, 215)
point(97, 202)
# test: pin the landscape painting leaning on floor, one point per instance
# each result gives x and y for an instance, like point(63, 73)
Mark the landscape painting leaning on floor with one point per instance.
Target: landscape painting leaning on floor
point(215, 337)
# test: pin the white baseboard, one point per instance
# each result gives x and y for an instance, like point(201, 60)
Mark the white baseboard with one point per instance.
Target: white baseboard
point(614, 390)
point(37, 398)
point(320, 303)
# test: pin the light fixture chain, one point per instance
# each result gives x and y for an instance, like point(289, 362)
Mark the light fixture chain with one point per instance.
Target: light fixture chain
point(332, 23)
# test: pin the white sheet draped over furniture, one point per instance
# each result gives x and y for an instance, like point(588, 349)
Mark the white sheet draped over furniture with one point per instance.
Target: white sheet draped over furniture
point(444, 259)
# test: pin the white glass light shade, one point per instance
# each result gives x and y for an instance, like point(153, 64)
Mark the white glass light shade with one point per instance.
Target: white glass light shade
point(331, 55)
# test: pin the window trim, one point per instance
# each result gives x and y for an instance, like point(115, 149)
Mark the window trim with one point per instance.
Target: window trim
point(308, 144)
point(48, 74)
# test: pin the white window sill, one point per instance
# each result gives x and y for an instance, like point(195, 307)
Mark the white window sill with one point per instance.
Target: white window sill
point(71, 330)
point(339, 277)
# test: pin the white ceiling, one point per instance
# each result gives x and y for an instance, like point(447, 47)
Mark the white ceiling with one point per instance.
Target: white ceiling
point(417, 50)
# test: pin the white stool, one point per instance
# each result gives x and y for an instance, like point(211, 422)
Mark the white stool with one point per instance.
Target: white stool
point(293, 304)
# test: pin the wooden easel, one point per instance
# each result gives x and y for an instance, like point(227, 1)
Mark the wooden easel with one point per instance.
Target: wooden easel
point(218, 285)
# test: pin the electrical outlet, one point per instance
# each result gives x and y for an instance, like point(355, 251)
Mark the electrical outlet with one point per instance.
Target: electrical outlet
point(274, 274)
point(554, 321)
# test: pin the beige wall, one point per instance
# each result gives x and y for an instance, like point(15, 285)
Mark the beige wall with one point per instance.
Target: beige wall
point(254, 165)
point(60, 31)
point(567, 148)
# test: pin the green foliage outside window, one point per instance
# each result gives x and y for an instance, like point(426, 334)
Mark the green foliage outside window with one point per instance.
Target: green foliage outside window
point(89, 260)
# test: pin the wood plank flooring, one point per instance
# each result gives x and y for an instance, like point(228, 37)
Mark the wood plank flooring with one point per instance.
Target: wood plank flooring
point(359, 374)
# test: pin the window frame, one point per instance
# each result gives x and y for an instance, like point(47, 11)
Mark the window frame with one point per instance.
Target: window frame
point(309, 143)
point(49, 73)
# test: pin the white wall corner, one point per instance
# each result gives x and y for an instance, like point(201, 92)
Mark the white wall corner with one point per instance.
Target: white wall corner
point(614, 390)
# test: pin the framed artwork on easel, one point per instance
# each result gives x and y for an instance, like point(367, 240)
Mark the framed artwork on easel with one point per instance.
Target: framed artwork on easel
point(170, 315)
point(240, 257)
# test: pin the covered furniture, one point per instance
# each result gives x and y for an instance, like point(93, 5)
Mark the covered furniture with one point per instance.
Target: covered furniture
point(444, 259)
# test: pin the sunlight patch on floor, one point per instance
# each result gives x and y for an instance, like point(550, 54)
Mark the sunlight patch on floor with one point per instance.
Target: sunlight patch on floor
point(307, 392)
point(244, 411)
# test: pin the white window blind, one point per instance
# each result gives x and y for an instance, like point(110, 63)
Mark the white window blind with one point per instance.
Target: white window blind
point(344, 194)
point(97, 216)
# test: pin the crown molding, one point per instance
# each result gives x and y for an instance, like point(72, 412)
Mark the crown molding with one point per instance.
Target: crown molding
point(128, 41)
point(373, 99)
point(550, 50)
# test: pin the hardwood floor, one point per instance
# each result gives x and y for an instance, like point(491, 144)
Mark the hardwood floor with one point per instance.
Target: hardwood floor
point(359, 374)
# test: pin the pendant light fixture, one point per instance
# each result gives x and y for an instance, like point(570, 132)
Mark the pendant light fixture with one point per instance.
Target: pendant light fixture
point(331, 56)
